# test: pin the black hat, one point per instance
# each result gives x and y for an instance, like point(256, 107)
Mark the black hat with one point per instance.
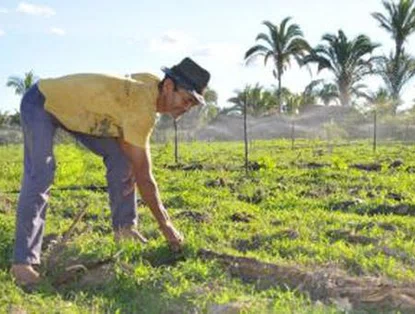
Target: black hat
point(190, 76)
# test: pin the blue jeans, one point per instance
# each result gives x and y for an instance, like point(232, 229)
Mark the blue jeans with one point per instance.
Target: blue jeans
point(39, 128)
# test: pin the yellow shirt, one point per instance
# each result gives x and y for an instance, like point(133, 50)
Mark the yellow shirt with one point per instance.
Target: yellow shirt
point(104, 105)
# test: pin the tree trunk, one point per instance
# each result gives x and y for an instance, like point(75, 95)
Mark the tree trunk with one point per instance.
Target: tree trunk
point(398, 52)
point(395, 103)
point(374, 131)
point(395, 93)
point(344, 95)
point(280, 93)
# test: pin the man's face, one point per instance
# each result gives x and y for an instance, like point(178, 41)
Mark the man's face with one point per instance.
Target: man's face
point(176, 101)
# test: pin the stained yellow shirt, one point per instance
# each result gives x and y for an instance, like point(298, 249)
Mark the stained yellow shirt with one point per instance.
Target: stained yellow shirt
point(104, 105)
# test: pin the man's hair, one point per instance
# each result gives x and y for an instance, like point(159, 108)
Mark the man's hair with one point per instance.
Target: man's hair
point(161, 83)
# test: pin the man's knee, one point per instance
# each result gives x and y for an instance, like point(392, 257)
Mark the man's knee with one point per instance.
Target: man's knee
point(118, 166)
point(40, 178)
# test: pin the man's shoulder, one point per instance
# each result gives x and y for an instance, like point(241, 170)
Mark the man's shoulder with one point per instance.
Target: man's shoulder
point(145, 77)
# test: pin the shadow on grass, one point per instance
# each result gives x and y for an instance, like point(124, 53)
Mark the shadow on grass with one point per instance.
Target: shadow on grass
point(123, 289)
point(116, 286)
point(358, 207)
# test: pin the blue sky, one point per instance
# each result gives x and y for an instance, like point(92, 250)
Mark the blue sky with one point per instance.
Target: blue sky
point(55, 38)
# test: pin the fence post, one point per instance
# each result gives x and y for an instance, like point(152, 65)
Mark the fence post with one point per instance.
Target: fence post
point(176, 149)
point(245, 136)
point(292, 133)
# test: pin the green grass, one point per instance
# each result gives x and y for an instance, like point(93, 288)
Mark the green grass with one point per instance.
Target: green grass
point(297, 216)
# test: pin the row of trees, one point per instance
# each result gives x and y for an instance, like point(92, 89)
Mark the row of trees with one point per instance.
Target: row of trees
point(349, 61)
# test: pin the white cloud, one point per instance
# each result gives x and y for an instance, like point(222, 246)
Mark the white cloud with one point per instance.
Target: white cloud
point(32, 9)
point(224, 52)
point(57, 31)
point(4, 10)
point(172, 41)
point(2, 32)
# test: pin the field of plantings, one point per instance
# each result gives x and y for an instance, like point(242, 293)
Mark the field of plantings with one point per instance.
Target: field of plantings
point(317, 229)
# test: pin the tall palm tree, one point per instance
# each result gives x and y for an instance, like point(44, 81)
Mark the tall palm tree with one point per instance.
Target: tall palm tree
point(281, 44)
point(346, 59)
point(21, 85)
point(399, 21)
point(396, 73)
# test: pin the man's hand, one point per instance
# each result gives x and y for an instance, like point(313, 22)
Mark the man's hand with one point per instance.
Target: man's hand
point(174, 237)
point(141, 162)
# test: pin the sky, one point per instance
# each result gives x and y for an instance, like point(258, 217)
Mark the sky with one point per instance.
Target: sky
point(55, 38)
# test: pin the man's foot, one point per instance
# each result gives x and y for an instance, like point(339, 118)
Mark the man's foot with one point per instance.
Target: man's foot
point(129, 233)
point(25, 275)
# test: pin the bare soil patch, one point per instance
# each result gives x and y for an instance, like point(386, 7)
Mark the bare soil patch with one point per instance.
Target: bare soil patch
point(242, 217)
point(396, 164)
point(367, 167)
point(260, 241)
point(194, 216)
point(314, 165)
point(345, 206)
point(399, 209)
point(256, 198)
point(327, 285)
point(186, 167)
point(350, 237)
point(219, 182)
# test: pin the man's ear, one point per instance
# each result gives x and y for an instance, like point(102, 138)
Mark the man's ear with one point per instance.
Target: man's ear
point(168, 85)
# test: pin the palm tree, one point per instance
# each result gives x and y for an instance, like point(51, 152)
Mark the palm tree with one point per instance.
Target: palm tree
point(211, 96)
point(396, 73)
point(281, 44)
point(346, 60)
point(211, 110)
point(256, 100)
point(294, 103)
point(327, 92)
point(4, 119)
point(239, 102)
point(21, 85)
point(381, 101)
point(399, 22)
point(396, 70)
point(201, 115)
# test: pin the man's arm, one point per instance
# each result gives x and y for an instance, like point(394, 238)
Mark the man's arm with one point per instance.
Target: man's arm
point(141, 161)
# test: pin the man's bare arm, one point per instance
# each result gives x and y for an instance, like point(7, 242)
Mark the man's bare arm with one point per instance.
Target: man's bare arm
point(141, 161)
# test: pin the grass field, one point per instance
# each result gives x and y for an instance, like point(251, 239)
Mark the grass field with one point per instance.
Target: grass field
point(333, 222)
